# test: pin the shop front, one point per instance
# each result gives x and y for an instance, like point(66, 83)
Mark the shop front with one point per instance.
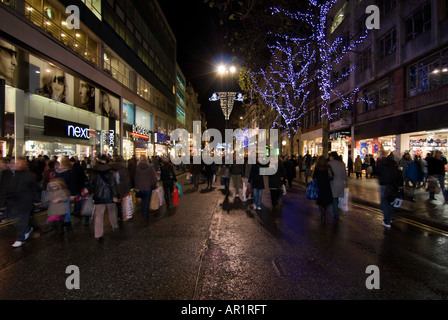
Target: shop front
point(162, 144)
point(312, 142)
point(341, 142)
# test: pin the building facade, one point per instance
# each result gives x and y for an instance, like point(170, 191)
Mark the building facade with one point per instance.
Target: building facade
point(104, 85)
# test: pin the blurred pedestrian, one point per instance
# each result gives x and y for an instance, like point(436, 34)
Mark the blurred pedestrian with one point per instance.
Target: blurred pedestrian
point(276, 183)
point(145, 182)
point(236, 174)
point(323, 175)
point(196, 171)
point(65, 172)
point(225, 178)
point(104, 191)
point(308, 162)
point(436, 168)
point(256, 184)
point(289, 171)
point(19, 192)
point(210, 171)
point(168, 178)
point(123, 179)
point(79, 182)
point(56, 196)
point(339, 181)
point(358, 167)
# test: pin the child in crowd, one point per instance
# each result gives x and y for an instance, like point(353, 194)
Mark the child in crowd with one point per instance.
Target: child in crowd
point(56, 196)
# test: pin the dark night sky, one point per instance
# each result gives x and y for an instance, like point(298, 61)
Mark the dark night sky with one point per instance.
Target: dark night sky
point(200, 40)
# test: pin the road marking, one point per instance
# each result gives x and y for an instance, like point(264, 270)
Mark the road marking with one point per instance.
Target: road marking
point(408, 221)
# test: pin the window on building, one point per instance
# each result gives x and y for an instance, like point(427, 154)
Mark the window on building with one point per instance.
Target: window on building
point(419, 22)
point(387, 44)
point(364, 61)
point(428, 74)
point(339, 17)
point(378, 95)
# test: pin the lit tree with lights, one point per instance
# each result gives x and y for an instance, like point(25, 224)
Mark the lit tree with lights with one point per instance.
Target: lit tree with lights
point(300, 62)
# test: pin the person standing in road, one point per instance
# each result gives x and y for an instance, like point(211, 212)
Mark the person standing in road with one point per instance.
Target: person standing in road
point(390, 180)
point(358, 167)
point(436, 168)
point(323, 175)
point(339, 182)
point(257, 184)
point(123, 180)
point(145, 182)
point(19, 192)
point(105, 194)
point(168, 177)
point(236, 172)
point(276, 182)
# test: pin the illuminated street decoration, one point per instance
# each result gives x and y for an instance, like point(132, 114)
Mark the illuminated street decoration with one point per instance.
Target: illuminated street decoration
point(227, 100)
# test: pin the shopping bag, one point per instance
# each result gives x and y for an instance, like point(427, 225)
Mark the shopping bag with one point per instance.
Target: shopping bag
point(343, 202)
point(161, 195)
point(127, 207)
point(154, 204)
point(180, 189)
point(87, 206)
point(176, 197)
point(248, 191)
point(433, 185)
point(312, 192)
point(284, 189)
point(244, 190)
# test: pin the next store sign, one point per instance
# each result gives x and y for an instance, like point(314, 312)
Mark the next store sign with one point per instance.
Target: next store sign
point(62, 128)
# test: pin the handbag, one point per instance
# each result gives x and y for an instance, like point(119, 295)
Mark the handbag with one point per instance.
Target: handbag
point(180, 189)
point(312, 192)
point(154, 204)
point(87, 206)
point(343, 202)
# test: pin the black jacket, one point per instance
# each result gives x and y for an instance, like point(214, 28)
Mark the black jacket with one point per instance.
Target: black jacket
point(103, 185)
point(255, 179)
point(18, 190)
point(388, 173)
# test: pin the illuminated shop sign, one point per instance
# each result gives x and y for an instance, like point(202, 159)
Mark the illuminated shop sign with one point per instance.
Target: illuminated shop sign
point(66, 129)
point(140, 132)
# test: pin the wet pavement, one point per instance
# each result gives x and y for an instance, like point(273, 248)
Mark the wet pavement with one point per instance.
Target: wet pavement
point(433, 213)
point(217, 248)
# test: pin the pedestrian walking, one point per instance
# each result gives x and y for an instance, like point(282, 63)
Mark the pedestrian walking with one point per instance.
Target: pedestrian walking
point(358, 167)
point(404, 166)
point(390, 180)
point(256, 184)
point(104, 191)
point(123, 179)
point(56, 196)
point(308, 161)
point(339, 181)
point(236, 173)
point(196, 171)
point(65, 172)
point(323, 175)
point(276, 183)
point(79, 182)
point(209, 172)
point(145, 182)
point(350, 165)
point(168, 178)
point(225, 178)
point(19, 193)
point(436, 168)
point(290, 170)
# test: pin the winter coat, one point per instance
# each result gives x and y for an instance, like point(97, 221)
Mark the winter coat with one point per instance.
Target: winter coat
point(69, 179)
point(122, 177)
point(255, 179)
point(237, 169)
point(436, 166)
point(278, 179)
point(167, 173)
point(19, 190)
point(55, 209)
point(339, 182)
point(323, 179)
point(195, 169)
point(210, 170)
point(103, 185)
point(79, 178)
point(358, 165)
point(145, 177)
point(225, 172)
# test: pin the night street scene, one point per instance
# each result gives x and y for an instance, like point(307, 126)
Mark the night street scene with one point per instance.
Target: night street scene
point(223, 158)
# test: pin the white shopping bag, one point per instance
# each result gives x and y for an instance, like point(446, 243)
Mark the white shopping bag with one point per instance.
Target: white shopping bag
point(244, 190)
point(343, 202)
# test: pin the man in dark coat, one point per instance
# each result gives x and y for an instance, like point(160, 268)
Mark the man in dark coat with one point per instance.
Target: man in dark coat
point(19, 192)
point(436, 168)
point(105, 194)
